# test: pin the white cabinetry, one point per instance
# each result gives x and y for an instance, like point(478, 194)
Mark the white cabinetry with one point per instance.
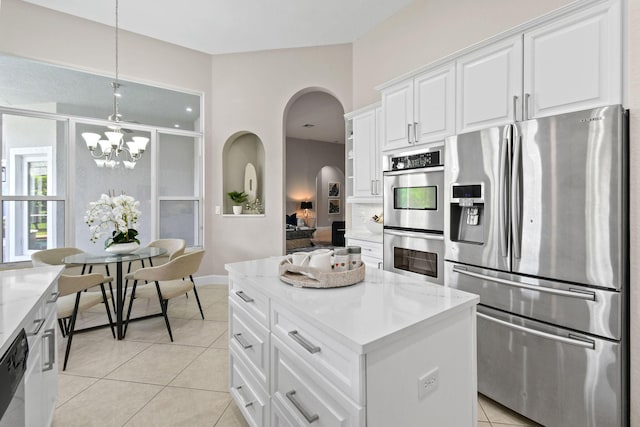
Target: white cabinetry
point(350, 357)
point(363, 162)
point(419, 110)
point(41, 376)
point(569, 64)
point(574, 63)
point(489, 85)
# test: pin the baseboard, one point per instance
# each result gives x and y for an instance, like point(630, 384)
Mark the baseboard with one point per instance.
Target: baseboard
point(213, 280)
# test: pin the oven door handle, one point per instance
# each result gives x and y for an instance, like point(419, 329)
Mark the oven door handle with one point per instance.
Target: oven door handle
point(586, 295)
point(428, 236)
point(412, 171)
point(573, 341)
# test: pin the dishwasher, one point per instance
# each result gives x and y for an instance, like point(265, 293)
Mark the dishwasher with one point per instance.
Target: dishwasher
point(13, 365)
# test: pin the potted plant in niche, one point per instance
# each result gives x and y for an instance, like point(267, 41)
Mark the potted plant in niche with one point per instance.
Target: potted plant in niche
point(238, 197)
point(120, 212)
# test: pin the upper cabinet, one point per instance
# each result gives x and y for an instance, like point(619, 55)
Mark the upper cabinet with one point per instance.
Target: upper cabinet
point(489, 84)
point(569, 64)
point(419, 110)
point(574, 63)
point(363, 163)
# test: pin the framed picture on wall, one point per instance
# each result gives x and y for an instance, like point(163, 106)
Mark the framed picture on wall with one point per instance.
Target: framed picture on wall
point(334, 189)
point(334, 206)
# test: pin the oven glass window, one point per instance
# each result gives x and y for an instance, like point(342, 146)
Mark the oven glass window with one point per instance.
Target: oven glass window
point(416, 198)
point(425, 263)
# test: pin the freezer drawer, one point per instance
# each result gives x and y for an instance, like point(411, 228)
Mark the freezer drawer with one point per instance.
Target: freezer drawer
point(553, 376)
point(591, 310)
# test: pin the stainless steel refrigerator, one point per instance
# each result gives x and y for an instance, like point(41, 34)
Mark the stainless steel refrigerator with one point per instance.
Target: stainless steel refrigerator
point(536, 223)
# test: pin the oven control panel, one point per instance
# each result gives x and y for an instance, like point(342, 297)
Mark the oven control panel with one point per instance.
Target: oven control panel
point(418, 160)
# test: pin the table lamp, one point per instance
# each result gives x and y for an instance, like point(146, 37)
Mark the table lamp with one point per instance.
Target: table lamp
point(306, 206)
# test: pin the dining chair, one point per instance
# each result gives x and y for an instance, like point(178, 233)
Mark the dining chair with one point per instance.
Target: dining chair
point(74, 300)
point(165, 282)
point(57, 255)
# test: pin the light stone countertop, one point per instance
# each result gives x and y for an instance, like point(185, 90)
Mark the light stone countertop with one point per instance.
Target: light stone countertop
point(20, 291)
point(366, 316)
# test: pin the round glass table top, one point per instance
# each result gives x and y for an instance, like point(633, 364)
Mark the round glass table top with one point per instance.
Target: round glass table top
point(105, 258)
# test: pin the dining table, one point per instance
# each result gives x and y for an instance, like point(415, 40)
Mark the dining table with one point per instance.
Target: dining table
point(90, 260)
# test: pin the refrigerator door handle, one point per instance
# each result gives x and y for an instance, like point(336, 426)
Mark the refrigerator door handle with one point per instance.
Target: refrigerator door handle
point(515, 192)
point(502, 195)
point(589, 296)
point(584, 343)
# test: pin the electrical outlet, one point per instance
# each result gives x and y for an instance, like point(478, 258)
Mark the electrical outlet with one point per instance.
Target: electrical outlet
point(428, 383)
point(217, 210)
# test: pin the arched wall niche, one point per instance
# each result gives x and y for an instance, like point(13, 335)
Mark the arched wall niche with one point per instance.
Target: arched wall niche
point(240, 149)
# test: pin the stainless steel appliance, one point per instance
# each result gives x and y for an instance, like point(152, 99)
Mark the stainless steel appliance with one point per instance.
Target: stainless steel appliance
point(537, 225)
point(13, 365)
point(414, 214)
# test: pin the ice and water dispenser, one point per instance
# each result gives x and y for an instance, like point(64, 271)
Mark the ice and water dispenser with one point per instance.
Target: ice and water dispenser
point(467, 213)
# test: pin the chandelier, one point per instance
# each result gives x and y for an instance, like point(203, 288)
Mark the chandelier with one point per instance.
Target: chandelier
point(107, 152)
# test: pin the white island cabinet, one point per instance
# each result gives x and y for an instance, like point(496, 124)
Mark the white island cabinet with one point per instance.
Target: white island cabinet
point(28, 300)
point(389, 351)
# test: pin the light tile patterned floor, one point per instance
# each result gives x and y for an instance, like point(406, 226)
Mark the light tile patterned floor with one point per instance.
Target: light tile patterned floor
point(145, 380)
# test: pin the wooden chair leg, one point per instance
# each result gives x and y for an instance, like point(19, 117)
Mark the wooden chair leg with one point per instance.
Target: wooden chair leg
point(163, 305)
point(70, 331)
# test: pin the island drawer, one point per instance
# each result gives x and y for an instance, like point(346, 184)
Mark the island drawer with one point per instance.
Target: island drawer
point(334, 361)
point(252, 401)
point(304, 397)
point(250, 339)
point(254, 302)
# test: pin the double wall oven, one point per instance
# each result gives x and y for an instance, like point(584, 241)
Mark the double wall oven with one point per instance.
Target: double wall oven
point(414, 214)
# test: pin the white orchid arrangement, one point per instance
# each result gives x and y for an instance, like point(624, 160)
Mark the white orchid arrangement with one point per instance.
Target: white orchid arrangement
point(120, 212)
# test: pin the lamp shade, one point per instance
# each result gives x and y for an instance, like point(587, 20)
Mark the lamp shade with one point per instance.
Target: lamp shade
point(306, 205)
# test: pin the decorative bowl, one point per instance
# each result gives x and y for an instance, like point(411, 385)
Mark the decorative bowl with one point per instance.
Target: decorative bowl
point(122, 248)
point(373, 227)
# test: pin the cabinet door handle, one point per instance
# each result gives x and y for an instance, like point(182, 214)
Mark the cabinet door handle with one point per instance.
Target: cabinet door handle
point(415, 132)
point(244, 297)
point(311, 348)
point(515, 108)
point(50, 335)
point(54, 297)
point(40, 323)
point(307, 416)
point(409, 132)
point(240, 340)
point(372, 191)
point(526, 105)
point(244, 400)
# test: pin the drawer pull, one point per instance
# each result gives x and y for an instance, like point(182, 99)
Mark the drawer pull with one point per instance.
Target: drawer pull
point(54, 298)
point(50, 334)
point(240, 340)
point(303, 342)
point(244, 297)
point(244, 401)
point(310, 418)
point(40, 323)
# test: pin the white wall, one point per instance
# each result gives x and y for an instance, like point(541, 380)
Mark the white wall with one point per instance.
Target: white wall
point(428, 30)
point(251, 92)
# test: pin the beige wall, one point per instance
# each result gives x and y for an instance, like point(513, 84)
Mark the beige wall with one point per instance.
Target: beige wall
point(428, 30)
point(251, 92)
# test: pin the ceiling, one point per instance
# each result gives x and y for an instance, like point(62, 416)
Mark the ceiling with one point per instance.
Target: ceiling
point(320, 110)
point(229, 26)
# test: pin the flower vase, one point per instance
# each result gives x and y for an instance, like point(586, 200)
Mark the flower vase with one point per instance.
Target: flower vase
point(122, 248)
point(237, 210)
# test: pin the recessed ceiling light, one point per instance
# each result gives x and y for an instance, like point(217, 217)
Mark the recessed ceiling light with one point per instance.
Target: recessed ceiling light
point(117, 94)
point(176, 125)
point(307, 125)
point(189, 109)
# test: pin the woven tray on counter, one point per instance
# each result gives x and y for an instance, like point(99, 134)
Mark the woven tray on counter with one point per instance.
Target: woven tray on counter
point(300, 276)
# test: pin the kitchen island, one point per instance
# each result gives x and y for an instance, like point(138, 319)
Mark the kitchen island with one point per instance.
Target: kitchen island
point(391, 350)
